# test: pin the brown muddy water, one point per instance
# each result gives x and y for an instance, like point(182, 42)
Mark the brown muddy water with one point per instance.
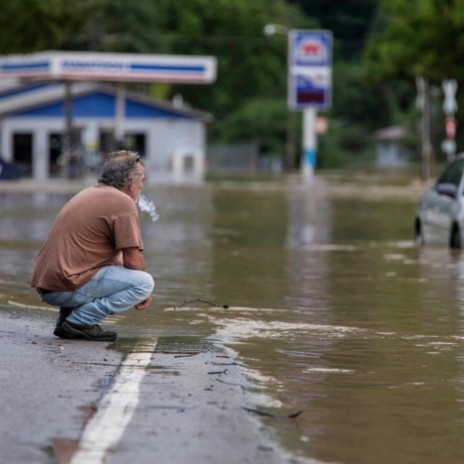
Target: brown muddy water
point(331, 308)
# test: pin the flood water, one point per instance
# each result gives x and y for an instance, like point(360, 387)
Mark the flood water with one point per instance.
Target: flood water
point(330, 307)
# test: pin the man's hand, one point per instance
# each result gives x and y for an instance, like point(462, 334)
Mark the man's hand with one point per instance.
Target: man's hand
point(133, 259)
point(144, 304)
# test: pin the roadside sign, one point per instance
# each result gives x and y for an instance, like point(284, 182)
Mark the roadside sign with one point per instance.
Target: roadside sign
point(309, 69)
point(450, 106)
point(450, 127)
point(449, 147)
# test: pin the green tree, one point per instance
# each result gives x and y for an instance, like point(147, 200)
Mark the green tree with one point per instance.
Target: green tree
point(249, 64)
point(35, 25)
point(260, 120)
point(417, 38)
point(121, 26)
point(349, 21)
point(252, 68)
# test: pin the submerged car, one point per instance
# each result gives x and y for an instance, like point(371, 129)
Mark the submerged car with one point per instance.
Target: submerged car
point(440, 212)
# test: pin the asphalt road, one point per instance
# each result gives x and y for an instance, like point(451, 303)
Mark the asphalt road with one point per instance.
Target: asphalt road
point(89, 402)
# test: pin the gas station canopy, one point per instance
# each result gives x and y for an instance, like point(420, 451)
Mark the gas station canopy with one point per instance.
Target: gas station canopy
point(73, 66)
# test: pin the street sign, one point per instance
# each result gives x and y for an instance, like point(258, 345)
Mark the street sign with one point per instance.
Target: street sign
point(450, 127)
point(309, 69)
point(449, 147)
point(450, 106)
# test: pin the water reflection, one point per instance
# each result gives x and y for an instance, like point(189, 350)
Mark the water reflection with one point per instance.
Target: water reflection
point(332, 309)
point(248, 235)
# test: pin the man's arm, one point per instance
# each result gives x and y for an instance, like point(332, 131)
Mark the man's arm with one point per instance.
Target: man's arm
point(133, 259)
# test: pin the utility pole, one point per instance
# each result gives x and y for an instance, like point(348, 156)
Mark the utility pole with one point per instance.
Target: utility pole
point(423, 103)
point(290, 161)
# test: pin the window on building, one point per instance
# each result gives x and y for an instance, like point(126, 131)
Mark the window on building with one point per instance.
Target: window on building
point(22, 152)
point(132, 141)
point(55, 144)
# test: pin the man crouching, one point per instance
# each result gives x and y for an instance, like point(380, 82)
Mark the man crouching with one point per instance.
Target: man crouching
point(91, 264)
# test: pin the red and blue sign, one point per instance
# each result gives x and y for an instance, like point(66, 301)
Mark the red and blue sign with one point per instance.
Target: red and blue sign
point(311, 50)
point(310, 69)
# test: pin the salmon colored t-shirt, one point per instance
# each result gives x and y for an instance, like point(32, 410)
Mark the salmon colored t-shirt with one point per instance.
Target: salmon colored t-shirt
point(88, 234)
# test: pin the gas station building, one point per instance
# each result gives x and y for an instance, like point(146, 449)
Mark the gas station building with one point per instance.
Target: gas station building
point(47, 95)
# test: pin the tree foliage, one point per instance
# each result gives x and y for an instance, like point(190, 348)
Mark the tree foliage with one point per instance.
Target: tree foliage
point(251, 67)
point(119, 26)
point(260, 120)
point(349, 20)
point(35, 25)
point(417, 38)
point(249, 64)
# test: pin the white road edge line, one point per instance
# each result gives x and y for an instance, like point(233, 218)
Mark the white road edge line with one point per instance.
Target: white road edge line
point(107, 426)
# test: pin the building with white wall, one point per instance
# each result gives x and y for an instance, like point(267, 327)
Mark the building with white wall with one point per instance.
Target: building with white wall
point(391, 147)
point(171, 138)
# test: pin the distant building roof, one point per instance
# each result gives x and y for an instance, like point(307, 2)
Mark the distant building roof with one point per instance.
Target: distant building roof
point(88, 99)
point(391, 133)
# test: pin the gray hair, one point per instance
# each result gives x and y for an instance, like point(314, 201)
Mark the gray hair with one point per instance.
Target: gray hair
point(120, 168)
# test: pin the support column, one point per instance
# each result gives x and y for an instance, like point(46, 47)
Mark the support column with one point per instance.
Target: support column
point(40, 156)
point(119, 115)
point(6, 142)
point(90, 141)
point(68, 126)
point(308, 161)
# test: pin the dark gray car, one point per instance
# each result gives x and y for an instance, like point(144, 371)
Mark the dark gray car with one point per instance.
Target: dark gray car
point(440, 212)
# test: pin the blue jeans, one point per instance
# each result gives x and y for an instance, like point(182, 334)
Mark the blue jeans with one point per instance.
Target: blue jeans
point(113, 289)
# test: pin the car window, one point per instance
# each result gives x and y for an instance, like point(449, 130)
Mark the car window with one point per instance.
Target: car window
point(453, 173)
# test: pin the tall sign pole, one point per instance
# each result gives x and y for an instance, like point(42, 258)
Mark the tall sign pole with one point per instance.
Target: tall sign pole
point(309, 85)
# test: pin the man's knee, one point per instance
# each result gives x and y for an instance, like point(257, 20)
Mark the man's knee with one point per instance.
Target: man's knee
point(146, 283)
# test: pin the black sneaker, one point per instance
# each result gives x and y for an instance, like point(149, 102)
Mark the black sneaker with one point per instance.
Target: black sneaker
point(87, 332)
point(59, 332)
